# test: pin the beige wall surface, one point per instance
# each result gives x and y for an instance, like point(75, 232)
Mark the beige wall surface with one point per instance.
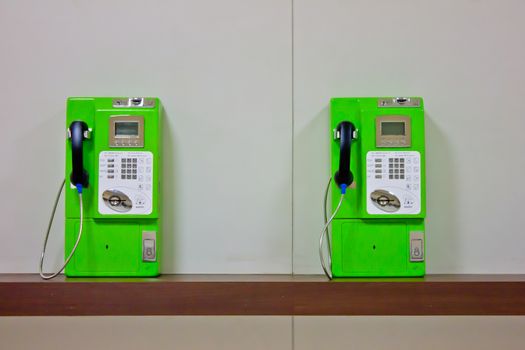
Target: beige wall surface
point(465, 58)
point(236, 332)
point(401, 333)
point(129, 333)
point(223, 72)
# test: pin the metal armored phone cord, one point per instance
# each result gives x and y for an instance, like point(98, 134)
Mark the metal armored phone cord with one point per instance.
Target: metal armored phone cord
point(325, 233)
point(53, 275)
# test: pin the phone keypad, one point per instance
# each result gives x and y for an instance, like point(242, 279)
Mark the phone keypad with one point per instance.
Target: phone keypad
point(396, 168)
point(128, 168)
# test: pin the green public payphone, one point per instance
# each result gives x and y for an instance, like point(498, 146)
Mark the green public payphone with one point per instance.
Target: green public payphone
point(112, 206)
point(378, 190)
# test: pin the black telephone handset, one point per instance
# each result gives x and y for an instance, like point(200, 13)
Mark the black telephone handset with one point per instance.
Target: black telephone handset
point(344, 176)
point(78, 131)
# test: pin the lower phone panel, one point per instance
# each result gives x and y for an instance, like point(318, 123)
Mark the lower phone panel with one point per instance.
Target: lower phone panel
point(377, 248)
point(112, 248)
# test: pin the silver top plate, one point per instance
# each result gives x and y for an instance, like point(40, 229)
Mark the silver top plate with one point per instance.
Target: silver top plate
point(399, 102)
point(134, 102)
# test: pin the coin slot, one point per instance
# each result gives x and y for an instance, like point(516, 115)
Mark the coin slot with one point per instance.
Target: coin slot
point(385, 201)
point(117, 200)
point(114, 200)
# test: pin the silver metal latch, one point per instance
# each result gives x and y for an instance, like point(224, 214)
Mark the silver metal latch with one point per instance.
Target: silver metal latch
point(417, 246)
point(149, 246)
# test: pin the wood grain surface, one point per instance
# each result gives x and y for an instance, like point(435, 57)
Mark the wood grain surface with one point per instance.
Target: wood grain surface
point(28, 295)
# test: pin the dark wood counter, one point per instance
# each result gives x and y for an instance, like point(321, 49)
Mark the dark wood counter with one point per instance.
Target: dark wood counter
point(28, 295)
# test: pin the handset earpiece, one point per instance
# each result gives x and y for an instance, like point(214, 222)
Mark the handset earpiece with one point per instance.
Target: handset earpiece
point(344, 177)
point(78, 132)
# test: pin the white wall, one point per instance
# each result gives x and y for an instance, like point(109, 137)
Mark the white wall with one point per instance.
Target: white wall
point(466, 59)
point(262, 332)
point(129, 333)
point(224, 72)
point(401, 333)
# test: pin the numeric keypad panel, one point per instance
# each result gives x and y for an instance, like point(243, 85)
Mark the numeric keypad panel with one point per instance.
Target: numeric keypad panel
point(130, 173)
point(128, 168)
point(399, 173)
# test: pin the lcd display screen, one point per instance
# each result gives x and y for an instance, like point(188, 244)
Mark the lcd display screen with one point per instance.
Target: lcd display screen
point(393, 128)
point(123, 129)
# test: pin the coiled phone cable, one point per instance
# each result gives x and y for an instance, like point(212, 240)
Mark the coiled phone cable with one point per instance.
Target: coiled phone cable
point(325, 232)
point(53, 275)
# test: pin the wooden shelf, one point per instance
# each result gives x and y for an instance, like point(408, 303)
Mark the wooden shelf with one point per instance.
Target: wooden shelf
point(28, 295)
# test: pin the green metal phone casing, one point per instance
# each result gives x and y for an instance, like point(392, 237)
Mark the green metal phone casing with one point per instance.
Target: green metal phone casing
point(111, 245)
point(364, 244)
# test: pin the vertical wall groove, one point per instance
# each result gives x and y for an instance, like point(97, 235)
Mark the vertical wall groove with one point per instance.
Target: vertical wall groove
point(293, 131)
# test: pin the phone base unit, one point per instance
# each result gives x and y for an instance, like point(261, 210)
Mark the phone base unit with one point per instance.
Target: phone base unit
point(121, 203)
point(379, 230)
